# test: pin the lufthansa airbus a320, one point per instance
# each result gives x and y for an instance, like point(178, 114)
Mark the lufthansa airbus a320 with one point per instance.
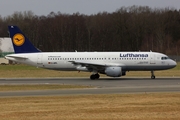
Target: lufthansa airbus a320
point(113, 64)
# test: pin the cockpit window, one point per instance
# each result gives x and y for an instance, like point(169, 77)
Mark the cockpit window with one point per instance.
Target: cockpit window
point(165, 58)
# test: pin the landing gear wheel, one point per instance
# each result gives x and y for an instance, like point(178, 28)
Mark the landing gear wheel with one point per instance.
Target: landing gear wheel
point(97, 76)
point(152, 75)
point(94, 76)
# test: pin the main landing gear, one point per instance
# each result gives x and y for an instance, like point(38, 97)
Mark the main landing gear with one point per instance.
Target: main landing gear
point(94, 76)
point(152, 75)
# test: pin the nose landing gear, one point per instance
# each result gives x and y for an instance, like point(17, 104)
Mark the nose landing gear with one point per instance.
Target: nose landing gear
point(152, 75)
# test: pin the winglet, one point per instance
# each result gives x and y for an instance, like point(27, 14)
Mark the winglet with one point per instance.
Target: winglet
point(20, 42)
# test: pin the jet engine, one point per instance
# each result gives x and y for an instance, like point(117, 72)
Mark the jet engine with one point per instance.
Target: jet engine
point(114, 71)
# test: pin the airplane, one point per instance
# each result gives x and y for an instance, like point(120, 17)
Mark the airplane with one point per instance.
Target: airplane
point(113, 64)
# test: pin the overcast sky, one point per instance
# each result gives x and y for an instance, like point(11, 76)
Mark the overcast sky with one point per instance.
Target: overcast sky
point(44, 7)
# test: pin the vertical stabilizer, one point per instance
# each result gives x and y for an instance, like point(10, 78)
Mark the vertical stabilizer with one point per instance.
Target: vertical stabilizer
point(20, 42)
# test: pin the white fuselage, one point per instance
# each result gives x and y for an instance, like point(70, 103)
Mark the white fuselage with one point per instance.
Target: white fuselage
point(129, 61)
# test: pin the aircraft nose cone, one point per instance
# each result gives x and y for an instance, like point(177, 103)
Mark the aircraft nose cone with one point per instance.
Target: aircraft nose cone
point(173, 63)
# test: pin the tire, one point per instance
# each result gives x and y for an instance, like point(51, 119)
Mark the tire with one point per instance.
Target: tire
point(92, 77)
point(153, 77)
point(97, 76)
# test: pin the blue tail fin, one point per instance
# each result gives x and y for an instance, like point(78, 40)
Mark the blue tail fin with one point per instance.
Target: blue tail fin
point(20, 42)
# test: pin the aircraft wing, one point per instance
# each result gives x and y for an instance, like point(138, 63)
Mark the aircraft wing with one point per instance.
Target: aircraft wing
point(94, 66)
point(89, 65)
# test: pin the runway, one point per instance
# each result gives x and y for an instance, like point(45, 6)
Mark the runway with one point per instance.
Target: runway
point(101, 86)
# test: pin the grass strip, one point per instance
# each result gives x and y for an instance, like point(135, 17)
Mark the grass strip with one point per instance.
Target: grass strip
point(149, 106)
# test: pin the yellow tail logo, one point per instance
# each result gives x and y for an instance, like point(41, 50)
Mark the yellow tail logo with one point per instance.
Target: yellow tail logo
point(18, 39)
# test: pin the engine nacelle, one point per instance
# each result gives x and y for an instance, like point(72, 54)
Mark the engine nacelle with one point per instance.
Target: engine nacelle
point(113, 71)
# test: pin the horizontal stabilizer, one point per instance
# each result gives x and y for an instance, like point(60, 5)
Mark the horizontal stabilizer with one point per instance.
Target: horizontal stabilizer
point(16, 57)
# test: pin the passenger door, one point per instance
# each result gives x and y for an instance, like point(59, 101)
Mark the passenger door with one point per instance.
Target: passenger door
point(39, 60)
point(152, 59)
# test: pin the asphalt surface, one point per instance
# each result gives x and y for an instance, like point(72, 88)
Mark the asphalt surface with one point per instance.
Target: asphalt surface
point(101, 86)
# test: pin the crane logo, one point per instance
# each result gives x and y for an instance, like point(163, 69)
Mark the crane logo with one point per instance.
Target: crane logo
point(18, 39)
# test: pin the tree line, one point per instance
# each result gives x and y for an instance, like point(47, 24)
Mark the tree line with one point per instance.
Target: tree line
point(135, 28)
